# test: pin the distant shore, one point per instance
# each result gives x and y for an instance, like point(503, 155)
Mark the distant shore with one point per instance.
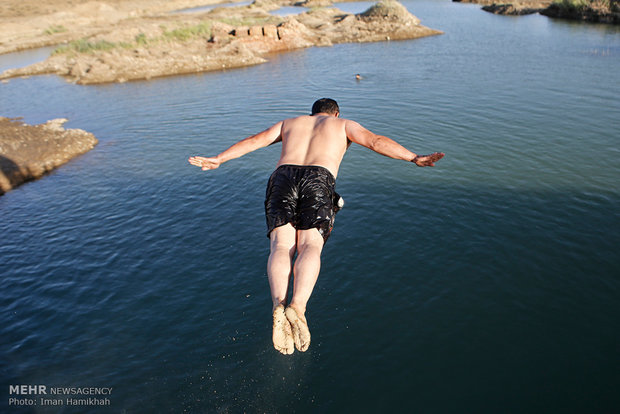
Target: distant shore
point(582, 10)
point(118, 41)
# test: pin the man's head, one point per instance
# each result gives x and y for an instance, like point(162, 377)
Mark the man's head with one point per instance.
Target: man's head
point(327, 106)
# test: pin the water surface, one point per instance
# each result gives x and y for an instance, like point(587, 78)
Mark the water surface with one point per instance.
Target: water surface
point(487, 284)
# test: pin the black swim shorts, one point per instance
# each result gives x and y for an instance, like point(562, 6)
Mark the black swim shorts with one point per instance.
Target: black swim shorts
point(302, 195)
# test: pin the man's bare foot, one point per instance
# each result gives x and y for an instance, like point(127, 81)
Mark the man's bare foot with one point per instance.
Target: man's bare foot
point(301, 333)
point(282, 335)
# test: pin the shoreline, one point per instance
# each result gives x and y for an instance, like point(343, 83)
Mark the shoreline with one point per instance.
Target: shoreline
point(590, 13)
point(28, 152)
point(137, 44)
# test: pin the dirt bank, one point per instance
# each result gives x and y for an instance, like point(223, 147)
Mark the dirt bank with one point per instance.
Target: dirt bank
point(27, 152)
point(597, 11)
point(514, 8)
point(34, 23)
point(121, 41)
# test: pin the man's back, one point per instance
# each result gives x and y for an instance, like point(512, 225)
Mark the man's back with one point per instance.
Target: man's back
point(314, 140)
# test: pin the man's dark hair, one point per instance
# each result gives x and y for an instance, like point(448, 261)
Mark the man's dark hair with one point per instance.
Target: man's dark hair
point(325, 105)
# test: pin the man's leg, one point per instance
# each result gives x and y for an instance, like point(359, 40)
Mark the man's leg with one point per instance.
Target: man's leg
point(306, 271)
point(280, 261)
point(279, 268)
point(307, 267)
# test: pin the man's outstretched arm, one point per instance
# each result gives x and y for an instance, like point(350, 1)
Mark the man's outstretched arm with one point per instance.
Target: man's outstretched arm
point(388, 147)
point(262, 139)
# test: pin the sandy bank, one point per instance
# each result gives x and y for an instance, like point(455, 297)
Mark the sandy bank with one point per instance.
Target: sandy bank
point(126, 43)
point(27, 152)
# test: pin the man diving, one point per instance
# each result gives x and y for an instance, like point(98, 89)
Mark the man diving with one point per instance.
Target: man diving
point(301, 203)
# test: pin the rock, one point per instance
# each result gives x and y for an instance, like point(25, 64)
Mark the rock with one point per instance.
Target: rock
point(389, 10)
point(295, 35)
point(256, 31)
point(516, 9)
point(78, 70)
point(27, 152)
point(270, 31)
point(55, 124)
point(314, 3)
point(221, 29)
point(596, 12)
point(267, 5)
point(586, 13)
point(242, 31)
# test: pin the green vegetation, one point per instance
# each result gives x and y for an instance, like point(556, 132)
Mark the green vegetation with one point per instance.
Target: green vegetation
point(181, 34)
point(56, 28)
point(188, 32)
point(86, 46)
point(250, 21)
point(141, 40)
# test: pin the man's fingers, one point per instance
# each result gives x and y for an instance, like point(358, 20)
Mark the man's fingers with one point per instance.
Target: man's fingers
point(436, 156)
point(204, 163)
point(431, 159)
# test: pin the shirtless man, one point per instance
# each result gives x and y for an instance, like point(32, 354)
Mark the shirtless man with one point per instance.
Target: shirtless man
point(301, 203)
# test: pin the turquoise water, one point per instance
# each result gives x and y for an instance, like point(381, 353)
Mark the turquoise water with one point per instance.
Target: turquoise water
point(487, 284)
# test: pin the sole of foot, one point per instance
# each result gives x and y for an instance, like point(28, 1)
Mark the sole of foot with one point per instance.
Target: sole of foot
point(301, 333)
point(282, 333)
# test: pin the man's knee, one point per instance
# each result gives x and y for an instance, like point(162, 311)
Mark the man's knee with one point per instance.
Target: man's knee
point(282, 237)
point(310, 238)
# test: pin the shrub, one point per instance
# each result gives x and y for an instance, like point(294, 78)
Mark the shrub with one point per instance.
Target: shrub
point(85, 46)
point(185, 33)
point(141, 39)
point(55, 28)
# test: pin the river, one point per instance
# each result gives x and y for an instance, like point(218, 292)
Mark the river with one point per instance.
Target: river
point(487, 284)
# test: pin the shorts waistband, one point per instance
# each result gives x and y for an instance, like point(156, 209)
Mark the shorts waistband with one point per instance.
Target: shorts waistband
point(301, 167)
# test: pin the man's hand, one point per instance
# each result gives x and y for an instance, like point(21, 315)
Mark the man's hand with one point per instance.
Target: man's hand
point(205, 163)
point(427, 160)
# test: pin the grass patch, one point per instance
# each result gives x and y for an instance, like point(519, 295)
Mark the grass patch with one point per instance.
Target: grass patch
point(86, 46)
point(186, 33)
point(250, 21)
point(179, 34)
point(141, 40)
point(55, 28)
